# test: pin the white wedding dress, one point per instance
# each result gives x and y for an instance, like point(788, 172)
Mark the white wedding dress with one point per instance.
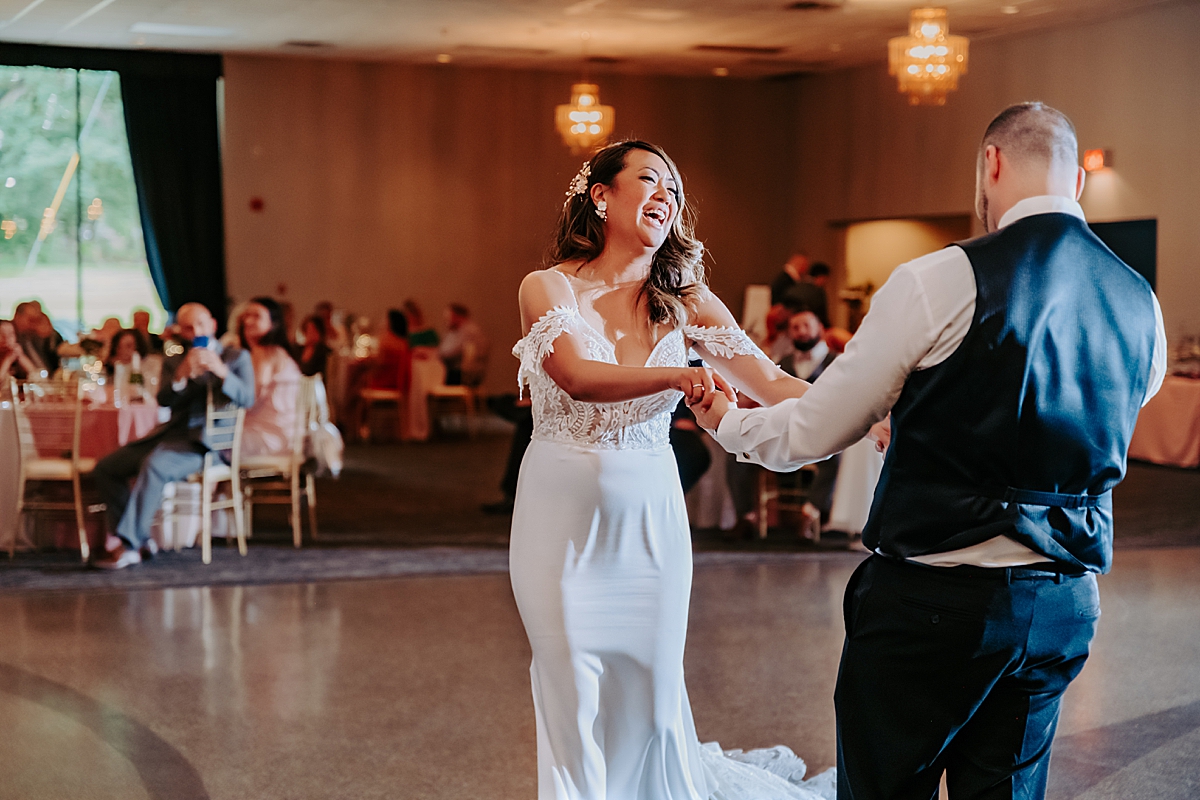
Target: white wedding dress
point(601, 567)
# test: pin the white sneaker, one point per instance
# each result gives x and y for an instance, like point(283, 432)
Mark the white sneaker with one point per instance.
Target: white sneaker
point(127, 559)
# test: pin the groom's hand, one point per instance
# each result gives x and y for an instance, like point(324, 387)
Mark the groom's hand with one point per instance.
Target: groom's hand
point(711, 410)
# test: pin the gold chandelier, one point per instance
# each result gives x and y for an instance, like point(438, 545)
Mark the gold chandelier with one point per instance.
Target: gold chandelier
point(929, 61)
point(584, 123)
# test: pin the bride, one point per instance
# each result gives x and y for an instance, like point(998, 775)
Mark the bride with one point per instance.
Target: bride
point(601, 550)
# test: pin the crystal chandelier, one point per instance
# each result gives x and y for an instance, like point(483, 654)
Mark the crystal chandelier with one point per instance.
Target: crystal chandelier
point(584, 123)
point(929, 60)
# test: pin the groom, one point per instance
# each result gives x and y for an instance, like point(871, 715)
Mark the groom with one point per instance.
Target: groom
point(1013, 366)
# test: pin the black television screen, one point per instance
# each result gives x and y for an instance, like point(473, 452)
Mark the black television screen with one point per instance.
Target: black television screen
point(1135, 242)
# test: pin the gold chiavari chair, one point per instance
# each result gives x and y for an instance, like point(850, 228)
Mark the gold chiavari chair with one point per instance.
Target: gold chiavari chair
point(464, 395)
point(282, 478)
point(60, 424)
point(787, 497)
point(223, 431)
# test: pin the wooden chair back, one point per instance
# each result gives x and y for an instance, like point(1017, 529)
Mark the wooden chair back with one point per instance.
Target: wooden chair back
point(59, 408)
point(223, 430)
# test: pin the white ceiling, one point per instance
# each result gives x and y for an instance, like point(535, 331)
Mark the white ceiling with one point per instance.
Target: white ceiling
point(656, 36)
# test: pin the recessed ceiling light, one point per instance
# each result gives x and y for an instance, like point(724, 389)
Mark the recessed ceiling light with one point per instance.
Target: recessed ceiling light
point(720, 72)
point(194, 31)
point(1010, 10)
point(444, 58)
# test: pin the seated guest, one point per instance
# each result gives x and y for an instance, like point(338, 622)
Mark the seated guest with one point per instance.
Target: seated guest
point(812, 356)
point(809, 292)
point(314, 355)
point(125, 344)
point(151, 342)
point(794, 271)
point(335, 333)
point(175, 449)
point(778, 345)
point(393, 365)
point(271, 421)
point(808, 357)
point(13, 361)
point(37, 336)
point(107, 330)
point(419, 332)
point(464, 350)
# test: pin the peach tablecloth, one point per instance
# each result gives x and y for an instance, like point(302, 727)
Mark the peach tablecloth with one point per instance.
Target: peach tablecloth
point(1168, 429)
point(104, 428)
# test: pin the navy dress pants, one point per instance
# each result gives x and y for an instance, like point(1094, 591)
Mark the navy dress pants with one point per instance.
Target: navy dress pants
point(958, 670)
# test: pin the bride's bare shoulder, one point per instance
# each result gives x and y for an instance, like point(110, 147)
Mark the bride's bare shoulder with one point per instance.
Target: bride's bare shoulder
point(543, 290)
point(707, 310)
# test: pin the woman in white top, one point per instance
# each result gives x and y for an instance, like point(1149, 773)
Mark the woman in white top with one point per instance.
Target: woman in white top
point(601, 553)
point(271, 421)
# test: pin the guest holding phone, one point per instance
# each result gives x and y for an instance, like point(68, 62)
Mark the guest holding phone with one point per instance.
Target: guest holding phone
point(176, 448)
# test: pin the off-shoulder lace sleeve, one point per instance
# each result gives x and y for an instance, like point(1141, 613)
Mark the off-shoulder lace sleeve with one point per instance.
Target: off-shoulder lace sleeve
point(723, 342)
point(539, 342)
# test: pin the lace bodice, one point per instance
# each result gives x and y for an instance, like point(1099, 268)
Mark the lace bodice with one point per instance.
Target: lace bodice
point(640, 424)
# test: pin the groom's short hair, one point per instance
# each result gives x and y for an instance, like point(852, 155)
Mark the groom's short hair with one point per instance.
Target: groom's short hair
point(1033, 132)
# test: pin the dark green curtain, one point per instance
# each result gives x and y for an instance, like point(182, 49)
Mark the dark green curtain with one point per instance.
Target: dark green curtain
point(170, 102)
point(172, 127)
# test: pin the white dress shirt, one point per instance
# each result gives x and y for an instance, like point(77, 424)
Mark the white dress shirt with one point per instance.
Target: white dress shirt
point(917, 320)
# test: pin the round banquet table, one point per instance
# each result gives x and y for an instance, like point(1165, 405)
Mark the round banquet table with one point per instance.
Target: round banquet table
point(104, 428)
point(1168, 428)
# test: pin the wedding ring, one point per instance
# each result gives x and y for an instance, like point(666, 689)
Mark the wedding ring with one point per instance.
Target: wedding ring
point(694, 385)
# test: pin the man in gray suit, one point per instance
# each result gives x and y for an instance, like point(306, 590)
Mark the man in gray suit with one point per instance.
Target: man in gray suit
point(175, 449)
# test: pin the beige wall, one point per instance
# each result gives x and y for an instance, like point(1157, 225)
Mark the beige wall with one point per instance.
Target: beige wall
point(873, 249)
point(384, 181)
point(1129, 84)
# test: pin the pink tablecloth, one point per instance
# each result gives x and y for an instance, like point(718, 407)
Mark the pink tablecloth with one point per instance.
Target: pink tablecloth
point(1168, 429)
point(104, 428)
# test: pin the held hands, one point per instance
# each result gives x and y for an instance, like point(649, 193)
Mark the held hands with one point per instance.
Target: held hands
point(711, 410)
point(709, 396)
point(698, 382)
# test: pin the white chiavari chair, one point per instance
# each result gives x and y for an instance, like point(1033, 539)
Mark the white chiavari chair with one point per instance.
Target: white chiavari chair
point(223, 433)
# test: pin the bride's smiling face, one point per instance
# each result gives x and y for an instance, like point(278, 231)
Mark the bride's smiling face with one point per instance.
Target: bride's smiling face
point(642, 201)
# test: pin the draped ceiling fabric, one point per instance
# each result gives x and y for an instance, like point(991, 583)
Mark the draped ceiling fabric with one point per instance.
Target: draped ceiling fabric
point(170, 102)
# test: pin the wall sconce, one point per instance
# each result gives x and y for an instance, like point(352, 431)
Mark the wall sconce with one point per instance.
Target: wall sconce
point(1096, 160)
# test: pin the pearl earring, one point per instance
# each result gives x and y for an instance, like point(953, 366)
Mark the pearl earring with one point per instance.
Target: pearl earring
point(602, 210)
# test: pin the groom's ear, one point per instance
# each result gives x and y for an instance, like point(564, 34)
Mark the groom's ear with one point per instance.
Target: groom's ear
point(992, 165)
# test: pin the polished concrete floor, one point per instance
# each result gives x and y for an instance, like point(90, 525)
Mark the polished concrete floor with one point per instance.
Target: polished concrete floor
point(418, 687)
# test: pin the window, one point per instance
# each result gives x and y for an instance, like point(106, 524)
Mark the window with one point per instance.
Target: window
point(70, 231)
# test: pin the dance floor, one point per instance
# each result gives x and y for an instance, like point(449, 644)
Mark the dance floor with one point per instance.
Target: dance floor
point(418, 687)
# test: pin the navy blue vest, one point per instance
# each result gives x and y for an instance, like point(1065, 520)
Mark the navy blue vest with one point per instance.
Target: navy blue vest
point(1023, 430)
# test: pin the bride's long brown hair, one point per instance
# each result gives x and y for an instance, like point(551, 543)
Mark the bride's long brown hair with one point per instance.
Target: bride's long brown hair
point(677, 269)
